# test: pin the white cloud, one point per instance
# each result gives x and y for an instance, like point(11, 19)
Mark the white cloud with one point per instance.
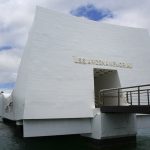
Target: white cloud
point(9, 60)
point(16, 18)
point(7, 92)
point(133, 13)
point(9, 63)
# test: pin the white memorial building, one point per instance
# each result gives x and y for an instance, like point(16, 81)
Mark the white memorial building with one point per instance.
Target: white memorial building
point(66, 62)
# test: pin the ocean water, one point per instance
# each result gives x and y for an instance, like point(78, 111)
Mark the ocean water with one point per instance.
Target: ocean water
point(11, 139)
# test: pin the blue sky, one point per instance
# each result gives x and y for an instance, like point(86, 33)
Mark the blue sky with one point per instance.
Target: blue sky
point(14, 27)
point(9, 85)
point(91, 12)
point(5, 47)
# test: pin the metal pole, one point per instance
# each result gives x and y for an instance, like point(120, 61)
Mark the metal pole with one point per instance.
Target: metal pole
point(138, 95)
point(148, 96)
point(118, 97)
point(127, 97)
point(103, 98)
point(131, 97)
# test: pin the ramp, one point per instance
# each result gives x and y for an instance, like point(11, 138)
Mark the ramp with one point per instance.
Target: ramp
point(134, 99)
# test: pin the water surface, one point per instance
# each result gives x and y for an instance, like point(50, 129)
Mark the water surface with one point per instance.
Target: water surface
point(10, 139)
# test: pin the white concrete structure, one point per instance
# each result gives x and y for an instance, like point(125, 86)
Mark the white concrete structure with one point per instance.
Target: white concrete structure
point(143, 123)
point(67, 60)
point(1, 104)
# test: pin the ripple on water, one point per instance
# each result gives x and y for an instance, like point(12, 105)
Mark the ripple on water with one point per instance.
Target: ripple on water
point(9, 140)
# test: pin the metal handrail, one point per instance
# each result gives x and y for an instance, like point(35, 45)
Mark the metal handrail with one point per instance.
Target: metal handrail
point(121, 88)
point(136, 90)
point(125, 91)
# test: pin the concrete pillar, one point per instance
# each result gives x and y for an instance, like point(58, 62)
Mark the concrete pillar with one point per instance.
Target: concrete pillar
point(112, 125)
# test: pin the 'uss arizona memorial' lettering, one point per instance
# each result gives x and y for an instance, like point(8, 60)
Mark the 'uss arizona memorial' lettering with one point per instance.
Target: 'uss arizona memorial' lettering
point(101, 62)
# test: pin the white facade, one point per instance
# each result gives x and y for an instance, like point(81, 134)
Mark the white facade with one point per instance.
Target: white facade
point(54, 83)
point(1, 104)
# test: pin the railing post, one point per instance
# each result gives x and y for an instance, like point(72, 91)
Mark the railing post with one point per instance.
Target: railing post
point(118, 97)
point(131, 97)
point(103, 98)
point(138, 91)
point(148, 96)
point(138, 95)
point(127, 97)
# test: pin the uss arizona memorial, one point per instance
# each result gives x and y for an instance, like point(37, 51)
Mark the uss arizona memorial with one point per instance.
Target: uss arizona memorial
point(71, 74)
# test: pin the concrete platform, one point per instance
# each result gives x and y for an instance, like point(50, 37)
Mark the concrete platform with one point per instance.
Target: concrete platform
point(143, 109)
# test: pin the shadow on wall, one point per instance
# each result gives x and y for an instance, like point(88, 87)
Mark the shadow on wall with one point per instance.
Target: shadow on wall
point(105, 79)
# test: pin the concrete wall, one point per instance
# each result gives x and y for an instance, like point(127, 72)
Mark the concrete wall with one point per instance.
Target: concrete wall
point(143, 123)
point(118, 125)
point(50, 85)
point(1, 105)
point(112, 125)
point(33, 128)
